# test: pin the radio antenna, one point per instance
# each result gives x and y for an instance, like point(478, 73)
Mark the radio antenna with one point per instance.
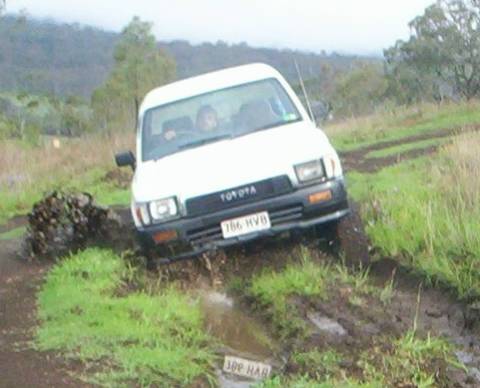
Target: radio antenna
point(302, 85)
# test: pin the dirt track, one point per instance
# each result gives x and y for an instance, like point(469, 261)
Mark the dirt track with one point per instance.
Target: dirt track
point(20, 366)
point(357, 159)
point(438, 312)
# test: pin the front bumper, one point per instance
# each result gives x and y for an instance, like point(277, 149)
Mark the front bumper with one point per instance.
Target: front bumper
point(197, 235)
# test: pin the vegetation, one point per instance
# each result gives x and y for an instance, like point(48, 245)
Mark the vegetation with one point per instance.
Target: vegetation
point(406, 361)
point(402, 122)
point(139, 67)
point(424, 211)
point(126, 328)
point(27, 117)
point(83, 57)
point(359, 91)
point(27, 172)
point(432, 63)
point(275, 291)
point(148, 337)
point(42, 57)
point(427, 213)
point(386, 360)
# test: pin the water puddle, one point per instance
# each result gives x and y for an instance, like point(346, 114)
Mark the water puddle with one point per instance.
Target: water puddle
point(235, 329)
point(240, 334)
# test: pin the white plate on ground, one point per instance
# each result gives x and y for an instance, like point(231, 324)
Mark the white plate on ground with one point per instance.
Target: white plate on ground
point(246, 368)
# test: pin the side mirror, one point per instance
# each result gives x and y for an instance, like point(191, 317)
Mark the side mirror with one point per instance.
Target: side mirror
point(125, 159)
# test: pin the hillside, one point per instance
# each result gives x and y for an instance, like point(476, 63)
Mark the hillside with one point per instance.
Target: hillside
point(41, 56)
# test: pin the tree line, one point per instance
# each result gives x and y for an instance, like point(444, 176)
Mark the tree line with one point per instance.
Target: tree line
point(439, 61)
point(42, 56)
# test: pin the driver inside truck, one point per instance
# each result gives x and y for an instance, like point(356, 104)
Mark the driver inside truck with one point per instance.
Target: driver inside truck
point(206, 121)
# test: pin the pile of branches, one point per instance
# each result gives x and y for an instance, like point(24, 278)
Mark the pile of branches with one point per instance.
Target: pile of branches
point(64, 222)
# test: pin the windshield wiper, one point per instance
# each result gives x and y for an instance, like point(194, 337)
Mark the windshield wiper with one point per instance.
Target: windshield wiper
point(205, 141)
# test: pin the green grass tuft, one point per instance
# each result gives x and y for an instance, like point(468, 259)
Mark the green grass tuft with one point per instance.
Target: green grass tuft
point(150, 339)
point(275, 291)
point(272, 290)
point(409, 359)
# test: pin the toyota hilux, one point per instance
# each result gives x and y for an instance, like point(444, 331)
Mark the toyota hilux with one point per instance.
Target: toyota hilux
point(228, 157)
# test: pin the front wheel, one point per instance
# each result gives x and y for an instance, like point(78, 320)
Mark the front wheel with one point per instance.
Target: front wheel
point(346, 238)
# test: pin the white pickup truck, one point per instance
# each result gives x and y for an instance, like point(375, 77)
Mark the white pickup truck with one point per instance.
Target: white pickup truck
point(228, 157)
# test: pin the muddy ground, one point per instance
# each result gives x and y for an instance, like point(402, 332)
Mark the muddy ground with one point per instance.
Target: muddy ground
point(21, 366)
point(357, 159)
point(244, 330)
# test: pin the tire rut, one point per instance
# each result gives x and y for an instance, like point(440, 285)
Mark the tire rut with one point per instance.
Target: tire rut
point(357, 160)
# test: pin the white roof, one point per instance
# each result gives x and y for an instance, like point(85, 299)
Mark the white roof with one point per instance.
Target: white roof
point(210, 81)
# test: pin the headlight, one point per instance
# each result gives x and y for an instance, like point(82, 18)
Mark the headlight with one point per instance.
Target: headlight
point(310, 171)
point(163, 209)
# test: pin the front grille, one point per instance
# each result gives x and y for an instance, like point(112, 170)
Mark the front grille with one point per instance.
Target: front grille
point(237, 196)
point(213, 232)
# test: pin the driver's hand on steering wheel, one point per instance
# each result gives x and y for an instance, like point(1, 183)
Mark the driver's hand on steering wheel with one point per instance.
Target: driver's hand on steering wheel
point(170, 134)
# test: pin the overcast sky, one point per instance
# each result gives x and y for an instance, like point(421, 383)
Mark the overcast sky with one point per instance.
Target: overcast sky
point(351, 26)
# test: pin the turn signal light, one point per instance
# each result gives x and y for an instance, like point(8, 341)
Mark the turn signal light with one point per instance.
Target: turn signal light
point(321, 196)
point(164, 236)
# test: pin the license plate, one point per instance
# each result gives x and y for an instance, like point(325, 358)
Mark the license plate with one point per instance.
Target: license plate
point(245, 225)
point(246, 368)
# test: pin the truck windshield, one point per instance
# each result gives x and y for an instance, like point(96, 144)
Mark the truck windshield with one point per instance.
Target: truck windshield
point(215, 116)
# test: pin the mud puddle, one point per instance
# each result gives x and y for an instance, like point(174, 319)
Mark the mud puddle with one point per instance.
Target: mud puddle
point(239, 333)
point(432, 310)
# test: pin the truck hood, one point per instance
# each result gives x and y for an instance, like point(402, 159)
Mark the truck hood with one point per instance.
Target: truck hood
point(230, 163)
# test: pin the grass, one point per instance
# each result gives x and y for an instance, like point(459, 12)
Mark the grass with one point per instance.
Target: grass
point(426, 213)
point(13, 234)
point(402, 148)
point(326, 363)
point(406, 361)
point(362, 186)
point(402, 122)
point(140, 338)
point(27, 172)
point(275, 291)
point(272, 290)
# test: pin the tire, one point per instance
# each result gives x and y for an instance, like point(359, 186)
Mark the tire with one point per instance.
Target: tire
point(346, 239)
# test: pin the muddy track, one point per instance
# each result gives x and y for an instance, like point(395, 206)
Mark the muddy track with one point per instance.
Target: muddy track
point(357, 160)
point(237, 323)
point(20, 366)
point(13, 223)
point(438, 312)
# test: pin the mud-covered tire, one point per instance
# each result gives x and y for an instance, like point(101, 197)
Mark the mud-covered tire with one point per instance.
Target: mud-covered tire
point(346, 238)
